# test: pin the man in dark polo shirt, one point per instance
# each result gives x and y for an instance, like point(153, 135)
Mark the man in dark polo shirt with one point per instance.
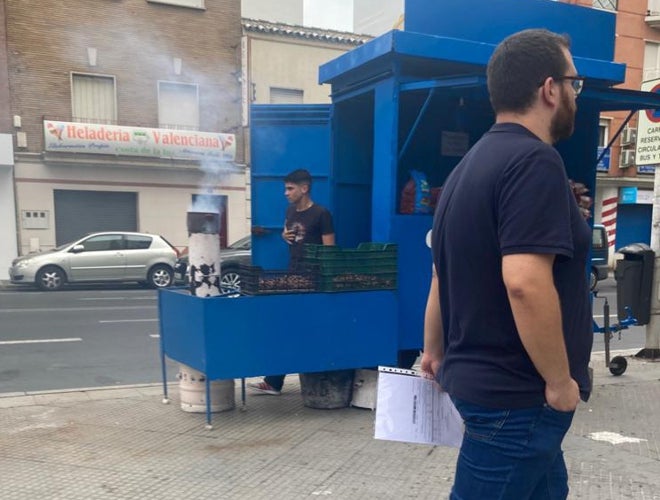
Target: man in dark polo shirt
point(508, 330)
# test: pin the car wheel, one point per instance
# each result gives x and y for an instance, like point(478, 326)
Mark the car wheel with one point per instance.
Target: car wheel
point(160, 276)
point(50, 278)
point(230, 281)
point(593, 279)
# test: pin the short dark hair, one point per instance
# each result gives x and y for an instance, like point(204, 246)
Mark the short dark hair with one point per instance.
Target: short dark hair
point(520, 64)
point(300, 176)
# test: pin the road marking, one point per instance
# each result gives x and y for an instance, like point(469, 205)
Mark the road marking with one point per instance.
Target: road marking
point(614, 437)
point(154, 335)
point(69, 309)
point(40, 341)
point(126, 320)
point(612, 316)
point(118, 298)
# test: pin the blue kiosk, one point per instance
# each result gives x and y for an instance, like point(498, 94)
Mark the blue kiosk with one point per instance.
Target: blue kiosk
point(407, 100)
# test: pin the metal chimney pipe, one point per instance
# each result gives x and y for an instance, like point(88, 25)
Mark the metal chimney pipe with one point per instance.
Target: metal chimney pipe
point(204, 274)
point(204, 253)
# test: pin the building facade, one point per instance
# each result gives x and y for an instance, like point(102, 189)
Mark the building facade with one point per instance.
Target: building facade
point(280, 65)
point(124, 116)
point(624, 186)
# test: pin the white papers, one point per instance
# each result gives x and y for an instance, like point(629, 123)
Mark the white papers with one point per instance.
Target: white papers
point(414, 409)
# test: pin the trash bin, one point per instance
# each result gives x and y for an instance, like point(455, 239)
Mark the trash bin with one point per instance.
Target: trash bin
point(634, 281)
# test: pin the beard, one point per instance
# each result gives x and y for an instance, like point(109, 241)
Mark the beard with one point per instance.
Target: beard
point(563, 123)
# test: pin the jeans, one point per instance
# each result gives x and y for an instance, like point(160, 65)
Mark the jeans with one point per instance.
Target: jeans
point(511, 454)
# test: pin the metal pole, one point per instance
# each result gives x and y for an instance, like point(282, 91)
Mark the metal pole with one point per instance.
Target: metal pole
point(606, 331)
point(652, 347)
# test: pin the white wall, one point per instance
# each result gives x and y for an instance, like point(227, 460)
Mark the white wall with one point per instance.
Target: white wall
point(164, 196)
point(292, 65)
point(277, 11)
point(8, 243)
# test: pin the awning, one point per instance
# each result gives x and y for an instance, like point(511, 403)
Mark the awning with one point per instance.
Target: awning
point(613, 99)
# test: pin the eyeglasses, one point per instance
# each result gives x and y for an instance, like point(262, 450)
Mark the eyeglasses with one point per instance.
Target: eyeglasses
point(577, 82)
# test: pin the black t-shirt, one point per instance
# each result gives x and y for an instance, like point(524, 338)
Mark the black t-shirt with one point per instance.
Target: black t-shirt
point(309, 227)
point(508, 195)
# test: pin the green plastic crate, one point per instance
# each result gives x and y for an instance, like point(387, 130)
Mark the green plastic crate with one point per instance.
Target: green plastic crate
point(258, 281)
point(344, 282)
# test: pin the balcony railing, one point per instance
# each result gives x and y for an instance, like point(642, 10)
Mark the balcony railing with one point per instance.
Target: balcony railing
point(606, 4)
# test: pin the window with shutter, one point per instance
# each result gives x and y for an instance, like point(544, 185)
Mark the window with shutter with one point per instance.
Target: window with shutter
point(280, 95)
point(93, 98)
point(178, 105)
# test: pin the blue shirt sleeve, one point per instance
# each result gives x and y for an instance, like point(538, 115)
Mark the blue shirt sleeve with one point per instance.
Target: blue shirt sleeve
point(534, 205)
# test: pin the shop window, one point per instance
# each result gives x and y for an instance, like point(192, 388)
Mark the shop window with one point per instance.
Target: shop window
point(178, 105)
point(93, 98)
point(280, 95)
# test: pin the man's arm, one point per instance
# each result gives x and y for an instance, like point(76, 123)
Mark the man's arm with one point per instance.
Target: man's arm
point(535, 305)
point(433, 333)
point(328, 239)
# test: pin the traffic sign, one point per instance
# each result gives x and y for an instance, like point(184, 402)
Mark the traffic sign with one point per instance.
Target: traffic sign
point(648, 130)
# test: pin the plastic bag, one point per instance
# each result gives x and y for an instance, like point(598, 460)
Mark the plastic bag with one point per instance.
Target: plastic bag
point(415, 196)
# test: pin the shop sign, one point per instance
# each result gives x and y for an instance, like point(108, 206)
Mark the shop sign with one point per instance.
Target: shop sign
point(628, 195)
point(604, 162)
point(71, 137)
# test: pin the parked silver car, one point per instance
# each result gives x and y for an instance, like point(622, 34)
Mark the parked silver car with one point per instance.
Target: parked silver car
point(99, 257)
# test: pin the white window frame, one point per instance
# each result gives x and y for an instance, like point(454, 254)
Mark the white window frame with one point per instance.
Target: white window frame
point(606, 122)
point(645, 67)
point(191, 4)
point(95, 75)
point(172, 125)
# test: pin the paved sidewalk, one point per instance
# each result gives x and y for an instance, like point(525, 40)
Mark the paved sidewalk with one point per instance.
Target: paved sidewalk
point(126, 444)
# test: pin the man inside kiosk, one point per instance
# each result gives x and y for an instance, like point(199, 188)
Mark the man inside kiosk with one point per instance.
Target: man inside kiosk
point(508, 320)
point(306, 222)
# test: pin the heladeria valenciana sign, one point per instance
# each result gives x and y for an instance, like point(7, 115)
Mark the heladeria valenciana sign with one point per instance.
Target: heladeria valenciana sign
point(71, 137)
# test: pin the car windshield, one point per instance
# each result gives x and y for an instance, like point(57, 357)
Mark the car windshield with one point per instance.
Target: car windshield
point(242, 244)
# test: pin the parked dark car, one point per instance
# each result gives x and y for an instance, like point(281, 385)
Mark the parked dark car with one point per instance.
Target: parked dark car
point(599, 255)
point(237, 254)
point(99, 257)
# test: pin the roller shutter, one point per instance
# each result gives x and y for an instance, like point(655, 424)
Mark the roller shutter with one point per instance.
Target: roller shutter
point(78, 213)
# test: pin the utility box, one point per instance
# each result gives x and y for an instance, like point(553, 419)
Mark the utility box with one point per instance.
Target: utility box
point(634, 281)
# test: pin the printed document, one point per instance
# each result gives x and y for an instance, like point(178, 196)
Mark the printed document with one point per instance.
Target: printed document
point(414, 409)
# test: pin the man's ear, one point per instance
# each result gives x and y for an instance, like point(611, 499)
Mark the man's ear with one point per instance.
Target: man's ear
point(549, 92)
point(304, 188)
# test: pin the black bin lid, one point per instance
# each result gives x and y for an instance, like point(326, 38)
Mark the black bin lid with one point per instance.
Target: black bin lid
point(636, 249)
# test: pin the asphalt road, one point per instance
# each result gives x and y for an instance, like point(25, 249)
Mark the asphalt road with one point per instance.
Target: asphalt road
point(108, 336)
point(83, 337)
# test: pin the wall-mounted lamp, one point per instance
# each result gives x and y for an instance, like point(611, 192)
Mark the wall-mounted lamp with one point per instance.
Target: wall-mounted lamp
point(177, 65)
point(91, 56)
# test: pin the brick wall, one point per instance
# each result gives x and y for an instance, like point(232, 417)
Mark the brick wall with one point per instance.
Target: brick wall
point(136, 42)
point(5, 118)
